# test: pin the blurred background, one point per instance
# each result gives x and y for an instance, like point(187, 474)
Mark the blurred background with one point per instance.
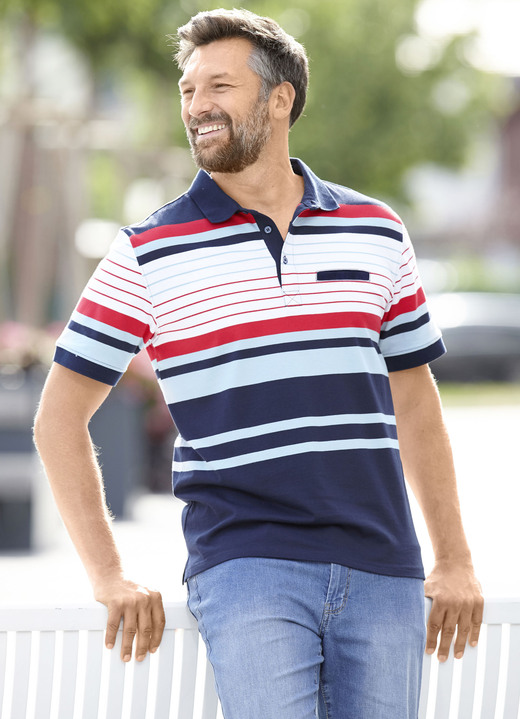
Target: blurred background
point(416, 102)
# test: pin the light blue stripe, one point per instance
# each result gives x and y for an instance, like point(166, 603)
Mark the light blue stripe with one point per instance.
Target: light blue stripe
point(207, 236)
point(325, 221)
point(412, 341)
point(268, 341)
point(93, 324)
point(276, 452)
point(287, 424)
point(94, 351)
point(269, 368)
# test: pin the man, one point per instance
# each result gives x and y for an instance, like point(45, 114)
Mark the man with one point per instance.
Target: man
point(287, 326)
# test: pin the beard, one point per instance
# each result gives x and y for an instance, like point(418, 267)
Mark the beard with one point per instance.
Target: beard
point(246, 140)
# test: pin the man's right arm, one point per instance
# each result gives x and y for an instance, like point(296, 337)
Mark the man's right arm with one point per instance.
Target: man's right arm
point(63, 441)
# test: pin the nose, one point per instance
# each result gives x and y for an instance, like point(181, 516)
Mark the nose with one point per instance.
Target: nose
point(200, 103)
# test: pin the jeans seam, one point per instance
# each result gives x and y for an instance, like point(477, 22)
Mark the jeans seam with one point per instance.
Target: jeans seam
point(339, 609)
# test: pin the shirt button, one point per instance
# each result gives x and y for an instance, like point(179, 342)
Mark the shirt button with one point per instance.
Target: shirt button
point(267, 229)
point(285, 260)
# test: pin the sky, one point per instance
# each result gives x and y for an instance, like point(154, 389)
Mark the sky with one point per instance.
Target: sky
point(497, 22)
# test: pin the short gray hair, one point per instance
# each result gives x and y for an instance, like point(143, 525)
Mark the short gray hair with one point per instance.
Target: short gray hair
point(276, 56)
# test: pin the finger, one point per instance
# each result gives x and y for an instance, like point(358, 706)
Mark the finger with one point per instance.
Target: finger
point(158, 620)
point(463, 630)
point(476, 621)
point(144, 628)
point(113, 623)
point(129, 632)
point(449, 627)
point(434, 626)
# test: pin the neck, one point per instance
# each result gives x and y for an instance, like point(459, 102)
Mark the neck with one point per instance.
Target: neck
point(268, 184)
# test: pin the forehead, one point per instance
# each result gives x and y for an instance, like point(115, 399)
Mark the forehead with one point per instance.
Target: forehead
point(221, 57)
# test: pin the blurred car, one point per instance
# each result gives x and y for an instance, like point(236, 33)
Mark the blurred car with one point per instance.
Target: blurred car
point(482, 335)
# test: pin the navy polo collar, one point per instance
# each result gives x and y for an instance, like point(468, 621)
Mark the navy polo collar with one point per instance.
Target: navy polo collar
point(217, 207)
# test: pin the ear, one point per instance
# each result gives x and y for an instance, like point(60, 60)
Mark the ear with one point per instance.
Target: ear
point(282, 100)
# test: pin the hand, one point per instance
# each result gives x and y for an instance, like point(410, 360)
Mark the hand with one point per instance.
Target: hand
point(457, 605)
point(143, 617)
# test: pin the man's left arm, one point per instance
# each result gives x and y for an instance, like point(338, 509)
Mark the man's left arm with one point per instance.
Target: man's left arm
point(428, 466)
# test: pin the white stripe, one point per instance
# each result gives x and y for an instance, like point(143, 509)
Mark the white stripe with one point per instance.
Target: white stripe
point(286, 424)
point(269, 368)
point(275, 452)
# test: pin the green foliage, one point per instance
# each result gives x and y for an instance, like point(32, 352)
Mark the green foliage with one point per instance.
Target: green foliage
point(366, 122)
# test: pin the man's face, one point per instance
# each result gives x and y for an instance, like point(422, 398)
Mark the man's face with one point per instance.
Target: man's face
point(226, 121)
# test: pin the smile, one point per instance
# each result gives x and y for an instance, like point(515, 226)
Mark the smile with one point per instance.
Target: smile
point(209, 128)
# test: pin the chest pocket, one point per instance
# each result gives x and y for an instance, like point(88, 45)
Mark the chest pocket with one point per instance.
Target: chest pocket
point(327, 275)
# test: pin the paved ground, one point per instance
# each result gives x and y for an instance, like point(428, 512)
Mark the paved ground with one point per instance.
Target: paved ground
point(485, 441)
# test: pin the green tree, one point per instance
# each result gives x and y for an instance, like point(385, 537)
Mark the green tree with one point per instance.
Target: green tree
point(366, 120)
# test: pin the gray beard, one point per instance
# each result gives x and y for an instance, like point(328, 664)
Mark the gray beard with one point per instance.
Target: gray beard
point(244, 144)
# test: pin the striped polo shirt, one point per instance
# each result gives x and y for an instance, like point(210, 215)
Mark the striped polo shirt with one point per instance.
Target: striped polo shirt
point(273, 357)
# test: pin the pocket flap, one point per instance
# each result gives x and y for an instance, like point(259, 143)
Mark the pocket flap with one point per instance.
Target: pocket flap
point(343, 275)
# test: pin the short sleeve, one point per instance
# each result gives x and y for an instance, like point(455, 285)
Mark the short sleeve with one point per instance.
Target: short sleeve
point(409, 337)
point(113, 319)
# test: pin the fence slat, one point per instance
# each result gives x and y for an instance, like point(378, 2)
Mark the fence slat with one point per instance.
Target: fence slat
point(22, 666)
point(468, 683)
point(210, 700)
point(444, 684)
point(190, 647)
point(93, 673)
point(512, 698)
point(164, 675)
point(492, 669)
point(116, 681)
point(69, 672)
point(140, 688)
point(3, 666)
point(46, 656)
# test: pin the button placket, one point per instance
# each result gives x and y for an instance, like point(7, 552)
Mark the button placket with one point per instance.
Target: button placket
point(291, 293)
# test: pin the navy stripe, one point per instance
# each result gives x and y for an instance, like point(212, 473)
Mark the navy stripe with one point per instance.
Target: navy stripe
point(286, 438)
point(188, 246)
point(102, 337)
point(284, 399)
point(268, 350)
point(352, 229)
point(406, 327)
point(85, 367)
point(416, 359)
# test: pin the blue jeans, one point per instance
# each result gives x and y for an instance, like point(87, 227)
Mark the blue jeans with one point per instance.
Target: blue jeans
point(299, 640)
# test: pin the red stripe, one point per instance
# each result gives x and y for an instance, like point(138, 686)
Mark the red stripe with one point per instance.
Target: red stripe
point(114, 319)
point(187, 228)
point(407, 304)
point(263, 328)
point(355, 211)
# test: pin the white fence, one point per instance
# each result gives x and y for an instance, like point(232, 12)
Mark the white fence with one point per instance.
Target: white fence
point(53, 665)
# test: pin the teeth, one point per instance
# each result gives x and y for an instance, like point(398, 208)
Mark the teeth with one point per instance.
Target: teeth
point(209, 128)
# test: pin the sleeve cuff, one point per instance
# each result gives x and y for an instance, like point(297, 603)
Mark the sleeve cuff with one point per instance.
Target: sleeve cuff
point(416, 359)
point(86, 367)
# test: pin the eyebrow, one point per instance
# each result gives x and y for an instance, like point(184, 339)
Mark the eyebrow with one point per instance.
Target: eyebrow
point(215, 76)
